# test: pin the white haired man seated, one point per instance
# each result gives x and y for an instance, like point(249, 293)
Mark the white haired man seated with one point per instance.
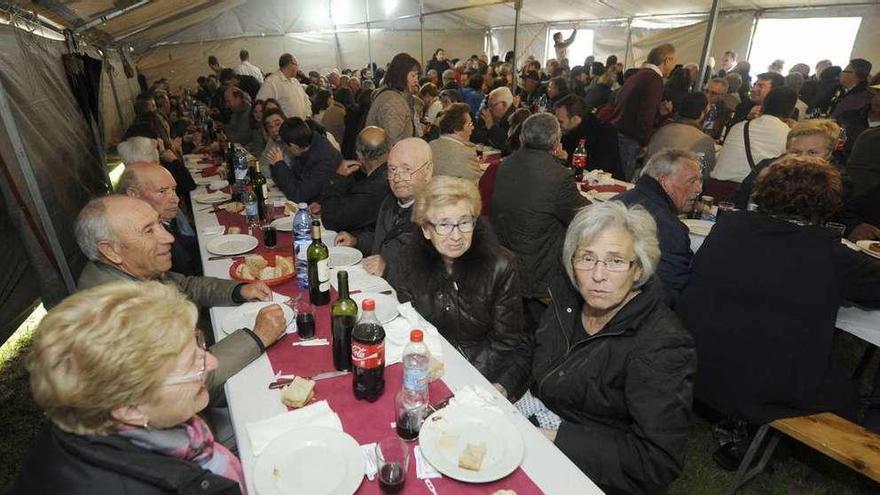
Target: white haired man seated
point(493, 125)
point(146, 149)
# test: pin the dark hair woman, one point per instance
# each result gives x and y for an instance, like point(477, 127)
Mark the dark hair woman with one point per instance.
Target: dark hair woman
point(392, 107)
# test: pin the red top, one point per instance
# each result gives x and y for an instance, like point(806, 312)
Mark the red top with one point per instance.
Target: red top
point(416, 335)
point(368, 305)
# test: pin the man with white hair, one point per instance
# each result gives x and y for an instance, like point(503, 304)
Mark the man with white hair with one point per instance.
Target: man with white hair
point(143, 148)
point(535, 198)
point(155, 185)
point(670, 185)
point(494, 123)
point(125, 240)
point(410, 168)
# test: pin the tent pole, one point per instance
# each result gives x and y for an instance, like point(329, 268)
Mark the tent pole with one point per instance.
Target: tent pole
point(629, 38)
point(27, 171)
point(369, 40)
point(115, 95)
point(707, 43)
point(752, 34)
point(517, 5)
point(422, 34)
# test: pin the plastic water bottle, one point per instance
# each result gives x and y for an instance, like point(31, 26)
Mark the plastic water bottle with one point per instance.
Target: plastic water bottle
point(411, 403)
point(302, 237)
point(416, 361)
point(251, 209)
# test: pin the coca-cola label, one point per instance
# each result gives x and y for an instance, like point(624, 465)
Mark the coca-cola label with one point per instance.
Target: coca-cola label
point(579, 161)
point(368, 356)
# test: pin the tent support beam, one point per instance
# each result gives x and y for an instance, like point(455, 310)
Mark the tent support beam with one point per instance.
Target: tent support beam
point(517, 5)
point(422, 34)
point(752, 34)
point(707, 43)
point(369, 40)
point(24, 166)
point(629, 40)
point(107, 17)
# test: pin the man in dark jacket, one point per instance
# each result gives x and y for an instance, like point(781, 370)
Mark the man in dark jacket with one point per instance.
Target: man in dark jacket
point(248, 84)
point(535, 198)
point(410, 168)
point(354, 194)
point(638, 108)
point(238, 129)
point(577, 123)
point(670, 184)
point(850, 108)
point(315, 160)
point(494, 122)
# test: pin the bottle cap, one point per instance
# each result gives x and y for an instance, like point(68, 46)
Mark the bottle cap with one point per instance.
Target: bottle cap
point(368, 305)
point(302, 206)
point(416, 335)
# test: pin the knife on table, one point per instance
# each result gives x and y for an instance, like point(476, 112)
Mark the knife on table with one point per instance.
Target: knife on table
point(280, 382)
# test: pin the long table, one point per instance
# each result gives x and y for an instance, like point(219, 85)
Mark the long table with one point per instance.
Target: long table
point(250, 400)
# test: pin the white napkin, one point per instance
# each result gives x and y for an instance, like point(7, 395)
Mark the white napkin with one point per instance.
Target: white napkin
point(424, 469)
point(262, 432)
point(311, 342)
point(478, 396)
point(397, 334)
point(368, 451)
point(215, 230)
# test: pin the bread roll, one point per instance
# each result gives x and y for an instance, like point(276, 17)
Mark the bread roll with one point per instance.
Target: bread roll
point(472, 457)
point(297, 393)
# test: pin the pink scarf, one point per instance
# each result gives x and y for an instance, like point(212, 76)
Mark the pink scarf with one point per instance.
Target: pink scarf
point(191, 441)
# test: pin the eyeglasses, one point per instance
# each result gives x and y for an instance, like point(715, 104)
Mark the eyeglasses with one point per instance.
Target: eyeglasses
point(196, 376)
point(446, 228)
point(403, 173)
point(588, 263)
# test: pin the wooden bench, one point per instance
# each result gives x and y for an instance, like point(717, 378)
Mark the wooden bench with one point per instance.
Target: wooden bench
point(838, 438)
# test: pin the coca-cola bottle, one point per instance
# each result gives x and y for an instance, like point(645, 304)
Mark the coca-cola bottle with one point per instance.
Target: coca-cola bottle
point(368, 354)
point(579, 160)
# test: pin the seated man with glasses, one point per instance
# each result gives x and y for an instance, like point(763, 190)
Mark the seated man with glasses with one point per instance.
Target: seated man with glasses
point(612, 367)
point(461, 280)
point(493, 125)
point(670, 185)
point(410, 168)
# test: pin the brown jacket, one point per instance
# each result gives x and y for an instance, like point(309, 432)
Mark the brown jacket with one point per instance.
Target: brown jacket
point(233, 353)
point(391, 110)
point(334, 121)
point(455, 158)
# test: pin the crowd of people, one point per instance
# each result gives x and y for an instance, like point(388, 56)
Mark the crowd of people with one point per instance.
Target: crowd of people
point(592, 318)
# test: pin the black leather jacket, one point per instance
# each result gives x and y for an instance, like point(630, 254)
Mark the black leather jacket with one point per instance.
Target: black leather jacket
point(624, 394)
point(477, 308)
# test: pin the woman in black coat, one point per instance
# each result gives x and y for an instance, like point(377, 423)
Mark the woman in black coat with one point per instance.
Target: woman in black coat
point(461, 280)
point(611, 359)
point(763, 299)
point(438, 62)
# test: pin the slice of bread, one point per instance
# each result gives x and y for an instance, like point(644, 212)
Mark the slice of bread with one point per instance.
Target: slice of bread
point(285, 264)
point(297, 393)
point(472, 457)
point(270, 272)
point(255, 262)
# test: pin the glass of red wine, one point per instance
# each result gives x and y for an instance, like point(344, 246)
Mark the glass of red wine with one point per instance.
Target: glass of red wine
point(305, 318)
point(392, 459)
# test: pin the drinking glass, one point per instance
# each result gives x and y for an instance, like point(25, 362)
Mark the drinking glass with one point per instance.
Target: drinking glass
point(837, 228)
point(270, 236)
point(305, 318)
point(392, 460)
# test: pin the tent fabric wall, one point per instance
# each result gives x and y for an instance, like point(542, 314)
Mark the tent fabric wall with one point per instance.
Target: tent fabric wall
point(59, 146)
point(126, 90)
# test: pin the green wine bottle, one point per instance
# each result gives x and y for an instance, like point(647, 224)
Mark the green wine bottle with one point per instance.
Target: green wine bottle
point(319, 268)
point(343, 316)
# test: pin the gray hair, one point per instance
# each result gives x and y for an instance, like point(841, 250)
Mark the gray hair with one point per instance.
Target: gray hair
point(92, 227)
point(128, 180)
point(794, 80)
point(502, 94)
point(722, 81)
point(540, 132)
point(138, 149)
point(668, 162)
point(448, 75)
point(734, 81)
point(592, 220)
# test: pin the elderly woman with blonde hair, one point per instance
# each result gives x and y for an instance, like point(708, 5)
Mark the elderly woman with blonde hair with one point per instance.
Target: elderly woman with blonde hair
point(612, 367)
point(462, 281)
point(119, 370)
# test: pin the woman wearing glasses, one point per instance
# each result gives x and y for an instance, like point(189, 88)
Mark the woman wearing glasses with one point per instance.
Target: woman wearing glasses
point(120, 373)
point(462, 281)
point(611, 359)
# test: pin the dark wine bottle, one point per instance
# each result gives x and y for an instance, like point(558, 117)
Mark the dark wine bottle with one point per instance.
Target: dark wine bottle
point(343, 317)
point(261, 189)
point(319, 268)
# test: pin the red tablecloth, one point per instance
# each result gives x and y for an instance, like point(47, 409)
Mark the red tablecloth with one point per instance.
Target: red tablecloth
point(366, 422)
point(603, 188)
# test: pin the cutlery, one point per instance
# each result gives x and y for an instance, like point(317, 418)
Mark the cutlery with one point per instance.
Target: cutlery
point(284, 380)
point(233, 256)
point(386, 292)
point(215, 205)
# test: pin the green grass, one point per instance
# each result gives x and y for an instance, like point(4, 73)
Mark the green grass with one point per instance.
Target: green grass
point(794, 469)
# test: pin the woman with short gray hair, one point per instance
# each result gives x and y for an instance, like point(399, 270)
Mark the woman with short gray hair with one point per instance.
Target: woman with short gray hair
point(613, 368)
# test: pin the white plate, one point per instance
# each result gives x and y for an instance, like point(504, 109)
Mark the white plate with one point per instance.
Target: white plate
point(344, 256)
point(203, 181)
point(865, 247)
point(698, 227)
point(445, 434)
point(310, 460)
point(245, 315)
point(284, 224)
point(231, 244)
point(386, 306)
point(218, 184)
point(211, 198)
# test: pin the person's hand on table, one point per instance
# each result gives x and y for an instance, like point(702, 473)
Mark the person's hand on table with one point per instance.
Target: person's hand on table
point(346, 239)
point(257, 291)
point(864, 232)
point(374, 265)
point(550, 434)
point(347, 167)
point(315, 208)
point(274, 156)
point(270, 324)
